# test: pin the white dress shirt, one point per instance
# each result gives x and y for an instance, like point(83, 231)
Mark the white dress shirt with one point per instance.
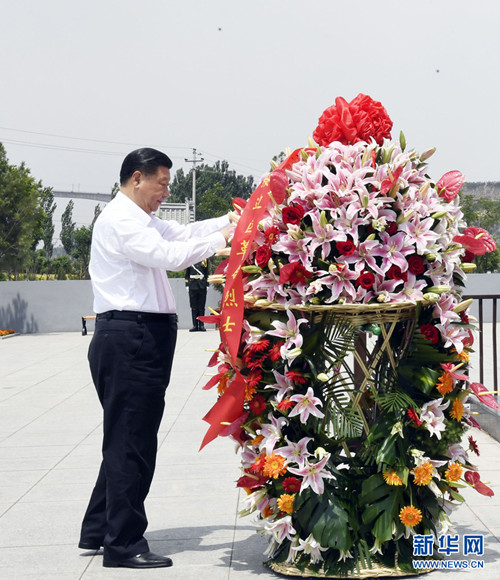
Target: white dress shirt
point(132, 250)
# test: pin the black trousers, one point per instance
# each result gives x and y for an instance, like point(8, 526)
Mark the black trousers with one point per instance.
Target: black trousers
point(197, 300)
point(130, 362)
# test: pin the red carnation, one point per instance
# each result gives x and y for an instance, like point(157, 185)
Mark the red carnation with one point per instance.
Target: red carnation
point(293, 214)
point(345, 248)
point(360, 120)
point(416, 264)
point(366, 280)
point(295, 273)
point(262, 256)
point(430, 332)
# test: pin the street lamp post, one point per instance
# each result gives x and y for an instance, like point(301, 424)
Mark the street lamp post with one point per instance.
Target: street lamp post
point(194, 161)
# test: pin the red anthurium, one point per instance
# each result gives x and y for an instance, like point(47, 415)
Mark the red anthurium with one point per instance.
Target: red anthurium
point(278, 183)
point(216, 379)
point(472, 477)
point(476, 240)
point(250, 481)
point(488, 400)
point(450, 184)
point(451, 368)
point(388, 184)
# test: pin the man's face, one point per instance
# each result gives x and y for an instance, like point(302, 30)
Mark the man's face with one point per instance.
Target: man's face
point(153, 189)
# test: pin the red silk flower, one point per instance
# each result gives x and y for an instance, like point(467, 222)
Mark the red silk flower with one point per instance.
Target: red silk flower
point(449, 185)
point(348, 123)
point(476, 240)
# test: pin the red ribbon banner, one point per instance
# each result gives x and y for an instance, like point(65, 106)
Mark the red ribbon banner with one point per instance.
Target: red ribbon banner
point(229, 406)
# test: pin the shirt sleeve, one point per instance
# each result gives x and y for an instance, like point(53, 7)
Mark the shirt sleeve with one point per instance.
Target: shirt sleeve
point(172, 230)
point(146, 245)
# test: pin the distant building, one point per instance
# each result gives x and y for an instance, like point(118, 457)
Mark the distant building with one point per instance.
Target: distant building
point(180, 212)
point(487, 189)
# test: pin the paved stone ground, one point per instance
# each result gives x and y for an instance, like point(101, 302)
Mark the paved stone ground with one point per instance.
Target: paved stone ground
point(50, 431)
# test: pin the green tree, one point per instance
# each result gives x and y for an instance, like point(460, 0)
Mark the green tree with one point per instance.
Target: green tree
point(19, 196)
point(483, 213)
point(216, 186)
point(82, 240)
point(47, 207)
point(68, 228)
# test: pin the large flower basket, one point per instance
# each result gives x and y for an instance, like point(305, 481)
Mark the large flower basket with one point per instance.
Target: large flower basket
point(341, 372)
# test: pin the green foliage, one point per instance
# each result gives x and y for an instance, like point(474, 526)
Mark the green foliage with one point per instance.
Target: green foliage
point(483, 213)
point(216, 187)
point(19, 214)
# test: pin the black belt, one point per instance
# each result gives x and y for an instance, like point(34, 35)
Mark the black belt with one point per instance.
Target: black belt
point(135, 316)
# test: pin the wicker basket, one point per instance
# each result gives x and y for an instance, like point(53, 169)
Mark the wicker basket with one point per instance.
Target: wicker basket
point(357, 314)
point(376, 571)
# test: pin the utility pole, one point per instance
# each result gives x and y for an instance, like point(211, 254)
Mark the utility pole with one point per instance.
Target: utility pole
point(194, 161)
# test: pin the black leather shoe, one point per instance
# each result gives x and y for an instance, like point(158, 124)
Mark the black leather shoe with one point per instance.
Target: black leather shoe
point(89, 545)
point(146, 560)
point(194, 329)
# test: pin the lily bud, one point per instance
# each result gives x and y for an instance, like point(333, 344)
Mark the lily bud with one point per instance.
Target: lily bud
point(322, 219)
point(439, 289)
point(427, 153)
point(371, 237)
point(425, 188)
point(311, 143)
point(251, 269)
point(404, 217)
point(430, 257)
point(262, 303)
point(318, 152)
point(294, 353)
point(273, 164)
point(323, 377)
point(316, 300)
point(304, 155)
point(431, 297)
point(402, 141)
point(468, 267)
point(463, 305)
point(439, 214)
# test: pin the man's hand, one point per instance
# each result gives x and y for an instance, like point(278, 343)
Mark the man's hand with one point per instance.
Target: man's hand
point(228, 232)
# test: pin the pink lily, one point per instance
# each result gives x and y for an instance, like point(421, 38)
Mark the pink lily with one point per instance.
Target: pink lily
point(306, 405)
point(296, 452)
point(393, 251)
point(313, 474)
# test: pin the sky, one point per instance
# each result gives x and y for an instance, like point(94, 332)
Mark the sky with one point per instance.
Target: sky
point(85, 83)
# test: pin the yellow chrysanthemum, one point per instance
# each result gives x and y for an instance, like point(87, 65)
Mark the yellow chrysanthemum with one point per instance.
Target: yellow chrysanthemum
point(454, 472)
point(274, 466)
point(410, 516)
point(392, 478)
point(423, 473)
point(445, 383)
point(457, 411)
point(285, 502)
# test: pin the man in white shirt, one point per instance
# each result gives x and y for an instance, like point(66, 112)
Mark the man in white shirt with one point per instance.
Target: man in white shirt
point(131, 352)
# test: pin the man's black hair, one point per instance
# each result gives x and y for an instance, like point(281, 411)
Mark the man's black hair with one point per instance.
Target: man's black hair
point(145, 160)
